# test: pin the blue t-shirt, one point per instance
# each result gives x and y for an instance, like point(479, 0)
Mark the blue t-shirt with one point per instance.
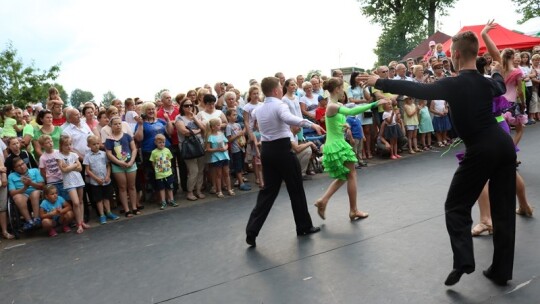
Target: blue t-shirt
point(48, 206)
point(15, 181)
point(215, 142)
point(121, 149)
point(356, 127)
point(231, 130)
point(149, 134)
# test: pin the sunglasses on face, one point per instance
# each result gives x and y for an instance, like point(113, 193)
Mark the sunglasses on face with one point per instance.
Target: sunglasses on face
point(188, 106)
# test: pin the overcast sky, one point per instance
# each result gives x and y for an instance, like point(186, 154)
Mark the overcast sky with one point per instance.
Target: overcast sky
point(135, 48)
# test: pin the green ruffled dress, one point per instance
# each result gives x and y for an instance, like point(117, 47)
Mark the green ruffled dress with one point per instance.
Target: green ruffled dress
point(336, 150)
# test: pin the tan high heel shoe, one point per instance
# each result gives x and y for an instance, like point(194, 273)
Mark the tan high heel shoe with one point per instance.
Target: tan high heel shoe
point(321, 208)
point(481, 228)
point(357, 215)
point(525, 212)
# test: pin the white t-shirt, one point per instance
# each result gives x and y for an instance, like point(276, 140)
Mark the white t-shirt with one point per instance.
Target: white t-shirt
point(311, 103)
point(130, 119)
point(72, 179)
point(249, 108)
point(204, 117)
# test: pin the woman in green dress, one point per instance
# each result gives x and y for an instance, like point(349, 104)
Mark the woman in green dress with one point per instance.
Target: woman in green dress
point(339, 158)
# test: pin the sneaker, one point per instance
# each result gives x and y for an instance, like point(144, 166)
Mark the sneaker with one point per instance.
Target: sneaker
point(163, 205)
point(37, 222)
point(52, 232)
point(113, 216)
point(66, 229)
point(244, 187)
point(103, 219)
point(172, 203)
point(28, 225)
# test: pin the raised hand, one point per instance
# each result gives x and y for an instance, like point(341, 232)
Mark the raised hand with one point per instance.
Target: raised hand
point(489, 26)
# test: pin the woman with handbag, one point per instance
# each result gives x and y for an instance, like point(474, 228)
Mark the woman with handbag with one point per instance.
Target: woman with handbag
point(190, 131)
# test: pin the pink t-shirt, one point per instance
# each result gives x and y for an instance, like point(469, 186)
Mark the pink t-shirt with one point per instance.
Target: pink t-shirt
point(512, 81)
point(48, 162)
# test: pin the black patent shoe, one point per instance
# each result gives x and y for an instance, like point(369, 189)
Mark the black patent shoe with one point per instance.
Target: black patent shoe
point(308, 231)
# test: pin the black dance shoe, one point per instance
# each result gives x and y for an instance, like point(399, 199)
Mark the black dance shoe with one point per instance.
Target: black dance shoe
point(308, 231)
point(487, 273)
point(453, 277)
point(251, 241)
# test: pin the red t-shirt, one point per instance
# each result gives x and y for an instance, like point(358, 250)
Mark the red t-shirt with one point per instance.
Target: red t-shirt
point(319, 114)
point(172, 117)
point(59, 121)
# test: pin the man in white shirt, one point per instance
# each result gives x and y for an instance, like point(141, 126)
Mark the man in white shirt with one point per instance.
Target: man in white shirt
point(78, 131)
point(275, 119)
point(401, 71)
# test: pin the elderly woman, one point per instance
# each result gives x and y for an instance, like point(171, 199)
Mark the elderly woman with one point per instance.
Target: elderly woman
point(231, 100)
point(187, 125)
point(148, 126)
point(45, 121)
point(106, 132)
point(309, 102)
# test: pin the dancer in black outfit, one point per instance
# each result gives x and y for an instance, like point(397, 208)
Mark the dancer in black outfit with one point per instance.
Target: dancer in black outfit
point(490, 155)
point(279, 162)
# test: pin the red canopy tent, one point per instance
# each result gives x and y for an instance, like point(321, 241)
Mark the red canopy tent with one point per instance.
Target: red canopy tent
point(501, 36)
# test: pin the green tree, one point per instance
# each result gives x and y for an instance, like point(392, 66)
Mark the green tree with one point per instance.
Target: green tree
point(107, 99)
point(79, 97)
point(158, 94)
point(21, 84)
point(311, 73)
point(528, 9)
point(405, 23)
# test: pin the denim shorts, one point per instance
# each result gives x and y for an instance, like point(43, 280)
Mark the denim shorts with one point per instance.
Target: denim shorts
point(237, 162)
point(166, 183)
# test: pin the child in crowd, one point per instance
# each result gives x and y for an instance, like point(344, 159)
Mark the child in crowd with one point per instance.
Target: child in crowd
point(98, 169)
point(355, 137)
point(425, 126)
point(411, 123)
point(73, 182)
point(161, 159)
point(320, 112)
point(54, 211)
point(48, 166)
point(235, 136)
point(440, 53)
point(441, 121)
point(256, 152)
point(11, 129)
point(131, 113)
point(53, 99)
point(216, 145)
point(21, 123)
point(14, 145)
point(392, 132)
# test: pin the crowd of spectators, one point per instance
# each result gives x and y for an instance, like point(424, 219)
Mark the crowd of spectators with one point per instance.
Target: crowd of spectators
point(58, 160)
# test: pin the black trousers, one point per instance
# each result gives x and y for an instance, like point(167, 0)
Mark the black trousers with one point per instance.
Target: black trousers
point(178, 162)
point(492, 158)
point(280, 164)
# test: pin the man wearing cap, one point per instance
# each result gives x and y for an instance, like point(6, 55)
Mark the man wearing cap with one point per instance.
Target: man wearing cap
point(438, 70)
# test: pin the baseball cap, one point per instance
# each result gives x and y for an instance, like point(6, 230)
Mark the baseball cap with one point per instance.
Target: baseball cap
point(432, 43)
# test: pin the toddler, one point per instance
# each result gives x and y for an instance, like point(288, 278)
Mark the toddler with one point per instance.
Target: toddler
point(54, 211)
point(161, 159)
point(216, 145)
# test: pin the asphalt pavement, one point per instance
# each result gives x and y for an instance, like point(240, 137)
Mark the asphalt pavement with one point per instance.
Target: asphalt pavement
point(196, 253)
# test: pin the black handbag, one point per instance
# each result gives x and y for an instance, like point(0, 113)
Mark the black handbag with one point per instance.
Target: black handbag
point(191, 147)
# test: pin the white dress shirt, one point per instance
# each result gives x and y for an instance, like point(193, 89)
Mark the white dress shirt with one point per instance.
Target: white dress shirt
point(275, 118)
point(78, 135)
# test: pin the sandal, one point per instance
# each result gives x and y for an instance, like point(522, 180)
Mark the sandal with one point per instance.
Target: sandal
point(220, 194)
point(137, 212)
point(527, 213)
point(231, 193)
point(80, 229)
point(481, 228)
point(191, 197)
point(200, 195)
point(129, 214)
point(85, 225)
point(8, 236)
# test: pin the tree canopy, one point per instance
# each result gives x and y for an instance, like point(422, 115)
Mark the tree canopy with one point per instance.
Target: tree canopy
point(108, 98)
point(528, 9)
point(79, 97)
point(405, 24)
point(21, 84)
